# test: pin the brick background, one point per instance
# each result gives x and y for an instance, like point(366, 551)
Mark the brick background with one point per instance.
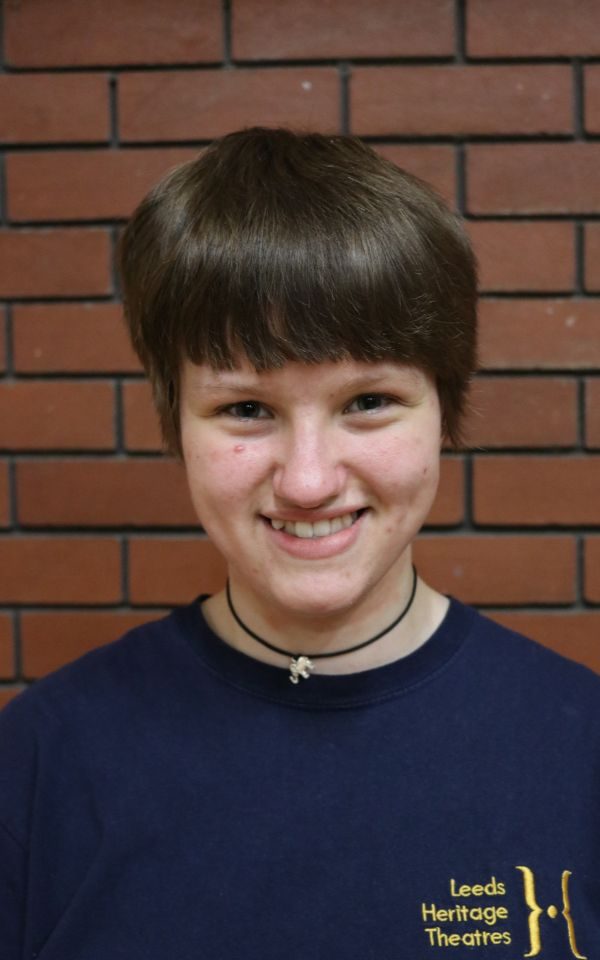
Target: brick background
point(4, 495)
point(43, 108)
point(84, 184)
point(110, 31)
point(461, 100)
point(533, 178)
point(56, 415)
point(309, 29)
point(54, 263)
point(592, 413)
point(537, 28)
point(495, 102)
point(65, 337)
point(516, 256)
point(592, 569)
point(178, 105)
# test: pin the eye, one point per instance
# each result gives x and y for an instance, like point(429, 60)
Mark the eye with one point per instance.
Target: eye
point(246, 410)
point(367, 402)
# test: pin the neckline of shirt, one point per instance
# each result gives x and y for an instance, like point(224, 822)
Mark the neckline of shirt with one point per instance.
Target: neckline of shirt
point(327, 691)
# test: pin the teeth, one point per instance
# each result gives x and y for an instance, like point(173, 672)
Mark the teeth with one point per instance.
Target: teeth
point(304, 530)
point(322, 528)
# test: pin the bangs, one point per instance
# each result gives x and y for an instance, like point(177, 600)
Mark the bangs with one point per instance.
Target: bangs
point(310, 299)
point(304, 264)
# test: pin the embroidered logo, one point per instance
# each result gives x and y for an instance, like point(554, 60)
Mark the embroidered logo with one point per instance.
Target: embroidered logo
point(470, 921)
point(536, 912)
point(478, 916)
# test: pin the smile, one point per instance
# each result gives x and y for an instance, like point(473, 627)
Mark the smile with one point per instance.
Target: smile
point(312, 531)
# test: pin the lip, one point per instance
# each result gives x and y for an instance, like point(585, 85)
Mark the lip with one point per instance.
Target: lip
point(316, 548)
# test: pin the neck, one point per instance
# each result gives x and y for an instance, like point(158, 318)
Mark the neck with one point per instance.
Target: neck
point(323, 637)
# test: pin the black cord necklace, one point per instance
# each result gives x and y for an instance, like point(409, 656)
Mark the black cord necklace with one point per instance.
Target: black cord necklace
point(301, 665)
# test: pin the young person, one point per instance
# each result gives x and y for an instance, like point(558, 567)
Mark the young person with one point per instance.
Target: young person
point(328, 759)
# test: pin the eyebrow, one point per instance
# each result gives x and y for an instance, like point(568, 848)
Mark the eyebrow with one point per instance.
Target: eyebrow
point(353, 382)
point(217, 386)
point(365, 380)
point(407, 377)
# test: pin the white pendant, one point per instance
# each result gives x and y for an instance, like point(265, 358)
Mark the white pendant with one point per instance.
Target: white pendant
point(300, 667)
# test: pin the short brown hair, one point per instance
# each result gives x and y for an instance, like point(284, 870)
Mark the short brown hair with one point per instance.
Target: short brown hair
point(297, 246)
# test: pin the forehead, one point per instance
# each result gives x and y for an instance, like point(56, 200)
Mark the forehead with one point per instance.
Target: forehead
point(304, 379)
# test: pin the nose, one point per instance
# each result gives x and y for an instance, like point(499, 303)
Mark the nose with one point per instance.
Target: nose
point(309, 473)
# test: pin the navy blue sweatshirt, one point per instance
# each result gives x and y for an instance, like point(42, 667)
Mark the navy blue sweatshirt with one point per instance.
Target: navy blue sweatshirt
point(168, 798)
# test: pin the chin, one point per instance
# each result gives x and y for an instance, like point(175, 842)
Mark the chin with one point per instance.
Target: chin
point(318, 600)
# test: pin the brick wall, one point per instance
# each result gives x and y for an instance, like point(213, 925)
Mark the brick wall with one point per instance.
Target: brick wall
point(496, 102)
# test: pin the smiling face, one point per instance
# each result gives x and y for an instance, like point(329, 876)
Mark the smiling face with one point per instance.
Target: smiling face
point(312, 480)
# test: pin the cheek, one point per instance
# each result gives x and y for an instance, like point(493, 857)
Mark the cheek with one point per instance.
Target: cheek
point(221, 476)
point(404, 479)
point(407, 469)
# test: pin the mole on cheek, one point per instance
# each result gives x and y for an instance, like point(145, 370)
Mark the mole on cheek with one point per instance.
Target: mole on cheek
point(239, 448)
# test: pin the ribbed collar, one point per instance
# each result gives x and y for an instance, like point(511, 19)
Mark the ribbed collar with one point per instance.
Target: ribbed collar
point(327, 691)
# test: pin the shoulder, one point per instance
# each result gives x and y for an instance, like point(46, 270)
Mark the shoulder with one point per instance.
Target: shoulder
point(92, 715)
point(522, 666)
point(510, 645)
point(110, 675)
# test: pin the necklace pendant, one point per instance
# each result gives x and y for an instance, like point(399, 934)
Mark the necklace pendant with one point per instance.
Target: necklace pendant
point(300, 667)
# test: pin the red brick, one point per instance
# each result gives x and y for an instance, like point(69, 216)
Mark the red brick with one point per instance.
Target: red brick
point(592, 98)
point(539, 334)
point(499, 569)
point(60, 570)
point(8, 693)
point(592, 413)
point(72, 338)
point(592, 256)
point(209, 103)
point(142, 431)
point(172, 571)
point(533, 178)
point(461, 100)
point(538, 28)
point(537, 491)
point(50, 108)
point(448, 506)
point(2, 340)
point(434, 164)
point(51, 639)
point(524, 256)
point(7, 652)
point(592, 569)
point(310, 29)
point(84, 184)
point(574, 635)
point(56, 415)
point(3, 324)
point(519, 412)
point(48, 263)
point(4, 495)
point(99, 492)
point(112, 32)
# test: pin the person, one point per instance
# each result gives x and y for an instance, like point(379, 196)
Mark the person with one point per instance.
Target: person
point(328, 758)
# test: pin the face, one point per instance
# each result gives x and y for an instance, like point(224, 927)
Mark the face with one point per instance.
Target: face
point(312, 480)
